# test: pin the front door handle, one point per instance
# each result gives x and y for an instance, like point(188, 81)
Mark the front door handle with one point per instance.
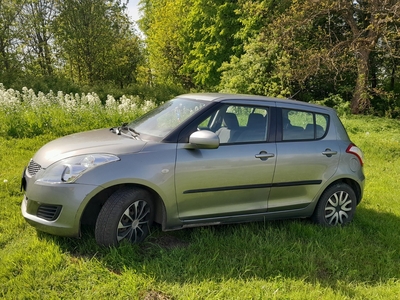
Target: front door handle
point(328, 152)
point(264, 155)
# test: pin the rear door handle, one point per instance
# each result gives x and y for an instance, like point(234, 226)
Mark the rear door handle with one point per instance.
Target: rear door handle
point(328, 152)
point(264, 155)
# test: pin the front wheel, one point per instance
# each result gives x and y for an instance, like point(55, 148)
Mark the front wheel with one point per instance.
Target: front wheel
point(126, 215)
point(336, 206)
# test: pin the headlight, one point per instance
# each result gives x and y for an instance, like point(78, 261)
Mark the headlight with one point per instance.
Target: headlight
point(70, 169)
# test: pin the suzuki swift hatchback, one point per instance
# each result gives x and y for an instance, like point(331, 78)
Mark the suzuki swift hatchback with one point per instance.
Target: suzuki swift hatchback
point(199, 159)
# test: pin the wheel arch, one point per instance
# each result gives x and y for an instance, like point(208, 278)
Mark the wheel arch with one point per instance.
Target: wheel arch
point(350, 182)
point(94, 205)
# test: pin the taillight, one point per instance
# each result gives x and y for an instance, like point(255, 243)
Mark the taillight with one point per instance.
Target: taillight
point(353, 149)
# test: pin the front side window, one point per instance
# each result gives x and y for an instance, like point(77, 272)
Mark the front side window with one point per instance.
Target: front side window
point(303, 125)
point(238, 123)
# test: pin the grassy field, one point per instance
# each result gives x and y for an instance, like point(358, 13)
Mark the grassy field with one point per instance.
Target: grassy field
point(291, 259)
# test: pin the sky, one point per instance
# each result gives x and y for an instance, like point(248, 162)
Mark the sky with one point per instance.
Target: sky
point(133, 10)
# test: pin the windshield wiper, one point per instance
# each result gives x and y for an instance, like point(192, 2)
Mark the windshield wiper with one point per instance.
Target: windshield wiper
point(119, 131)
point(132, 130)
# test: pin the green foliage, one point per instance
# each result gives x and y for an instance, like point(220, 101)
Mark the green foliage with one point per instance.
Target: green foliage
point(289, 259)
point(327, 51)
point(123, 62)
point(209, 40)
point(44, 83)
point(92, 34)
point(157, 93)
point(254, 16)
point(44, 42)
point(386, 104)
point(310, 49)
point(38, 38)
point(10, 65)
point(262, 70)
point(163, 24)
point(189, 41)
point(336, 101)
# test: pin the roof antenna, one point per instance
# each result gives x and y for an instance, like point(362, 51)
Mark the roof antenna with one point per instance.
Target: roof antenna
point(291, 96)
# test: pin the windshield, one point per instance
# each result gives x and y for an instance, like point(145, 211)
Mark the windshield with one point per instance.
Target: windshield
point(165, 118)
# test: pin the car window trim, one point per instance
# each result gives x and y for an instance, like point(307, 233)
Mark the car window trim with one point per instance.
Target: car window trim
point(279, 123)
point(184, 133)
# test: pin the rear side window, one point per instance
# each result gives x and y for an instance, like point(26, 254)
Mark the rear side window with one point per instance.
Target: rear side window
point(303, 125)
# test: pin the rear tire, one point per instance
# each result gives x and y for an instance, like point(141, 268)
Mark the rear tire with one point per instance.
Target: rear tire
point(336, 206)
point(127, 215)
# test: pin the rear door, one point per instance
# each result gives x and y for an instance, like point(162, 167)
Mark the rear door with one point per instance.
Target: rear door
point(307, 156)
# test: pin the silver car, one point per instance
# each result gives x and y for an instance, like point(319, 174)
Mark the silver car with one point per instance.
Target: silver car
point(199, 159)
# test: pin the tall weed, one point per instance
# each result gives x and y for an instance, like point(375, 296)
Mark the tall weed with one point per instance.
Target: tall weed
point(28, 114)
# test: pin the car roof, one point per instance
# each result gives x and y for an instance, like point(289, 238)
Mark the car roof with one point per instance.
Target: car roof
point(219, 97)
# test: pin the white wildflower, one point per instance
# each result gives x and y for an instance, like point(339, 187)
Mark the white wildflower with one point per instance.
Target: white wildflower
point(111, 104)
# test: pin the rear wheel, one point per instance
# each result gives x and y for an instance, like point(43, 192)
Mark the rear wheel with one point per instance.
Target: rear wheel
point(126, 215)
point(336, 206)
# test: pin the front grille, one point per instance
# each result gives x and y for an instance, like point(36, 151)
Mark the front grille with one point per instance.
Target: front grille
point(33, 168)
point(49, 212)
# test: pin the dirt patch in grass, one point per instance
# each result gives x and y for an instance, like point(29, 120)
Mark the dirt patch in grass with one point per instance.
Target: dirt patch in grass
point(154, 295)
point(168, 242)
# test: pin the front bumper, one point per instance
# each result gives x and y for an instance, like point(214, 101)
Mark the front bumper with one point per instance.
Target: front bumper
point(56, 208)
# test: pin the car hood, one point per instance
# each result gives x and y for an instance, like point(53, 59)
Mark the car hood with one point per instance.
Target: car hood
point(89, 142)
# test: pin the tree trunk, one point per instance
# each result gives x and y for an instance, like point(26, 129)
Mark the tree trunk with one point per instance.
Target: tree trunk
point(393, 75)
point(4, 57)
point(360, 101)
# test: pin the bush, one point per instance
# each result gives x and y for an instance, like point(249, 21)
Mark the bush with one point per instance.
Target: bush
point(386, 104)
point(341, 106)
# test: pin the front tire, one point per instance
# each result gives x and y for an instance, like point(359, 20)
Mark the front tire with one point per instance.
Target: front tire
point(336, 206)
point(126, 216)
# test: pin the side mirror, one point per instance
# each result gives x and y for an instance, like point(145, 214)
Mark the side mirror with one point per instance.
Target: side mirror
point(203, 139)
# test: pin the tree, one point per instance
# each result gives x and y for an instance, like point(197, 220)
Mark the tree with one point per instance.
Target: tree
point(88, 32)
point(10, 35)
point(262, 70)
point(36, 22)
point(209, 40)
point(264, 67)
point(351, 32)
point(316, 48)
point(124, 60)
point(162, 24)
point(189, 40)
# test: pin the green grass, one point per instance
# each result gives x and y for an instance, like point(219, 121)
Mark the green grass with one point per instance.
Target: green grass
point(291, 259)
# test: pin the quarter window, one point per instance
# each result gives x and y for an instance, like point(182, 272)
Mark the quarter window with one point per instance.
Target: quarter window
point(303, 125)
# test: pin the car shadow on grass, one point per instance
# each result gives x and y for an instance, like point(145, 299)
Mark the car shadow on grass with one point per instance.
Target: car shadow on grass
point(366, 251)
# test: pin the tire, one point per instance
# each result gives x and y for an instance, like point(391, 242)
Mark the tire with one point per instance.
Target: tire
point(336, 206)
point(127, 215)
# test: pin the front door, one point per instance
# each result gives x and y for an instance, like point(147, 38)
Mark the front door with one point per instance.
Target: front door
point(234, 179)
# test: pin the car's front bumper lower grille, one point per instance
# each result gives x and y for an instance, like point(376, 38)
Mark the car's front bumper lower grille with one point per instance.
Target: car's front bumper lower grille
point(49, 212)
